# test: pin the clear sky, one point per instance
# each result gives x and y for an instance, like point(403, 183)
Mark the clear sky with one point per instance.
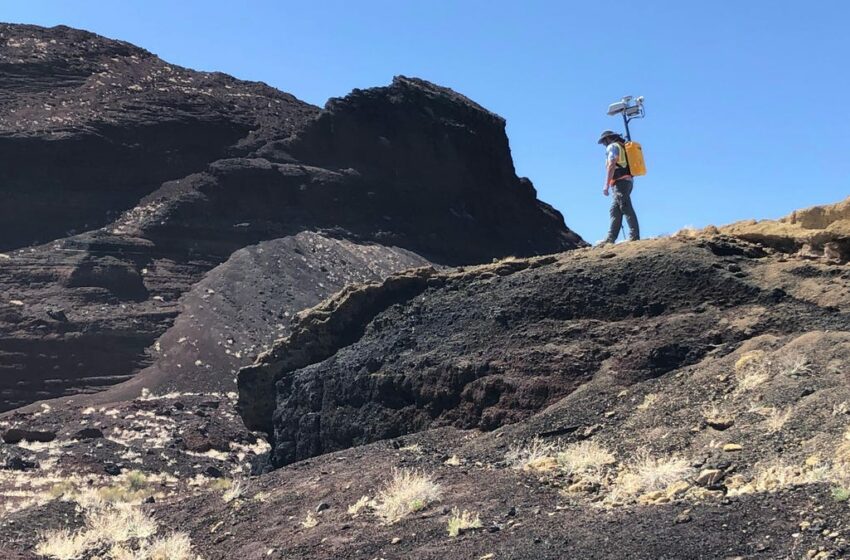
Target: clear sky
point(748, 102)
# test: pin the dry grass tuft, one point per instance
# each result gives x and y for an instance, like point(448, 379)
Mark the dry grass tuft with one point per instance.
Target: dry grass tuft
point(463, 521)
point(536, 456)
point(583, 457)
point(840, 494)
point(757, 367)
point(119, 524)
point(133, 488)
point(751, 370)
point(360, 505)
point(775, 419)
point(795, 366)
point(62, 544)
point(408, 492)
point(124, 530)
point(645, 473)
point(774, 476)
point(176, 546)
point(453, 461)
point(236, 489)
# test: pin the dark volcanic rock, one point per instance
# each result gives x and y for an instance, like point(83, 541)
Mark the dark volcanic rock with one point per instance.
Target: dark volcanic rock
point(89, 125)
point(17, 435)
point(147, 176)
point(242, 306)
point(447, 158)
point(16, 459)
point(496, 344)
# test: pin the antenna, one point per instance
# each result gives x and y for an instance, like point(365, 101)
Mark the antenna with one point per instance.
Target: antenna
point(631, 108)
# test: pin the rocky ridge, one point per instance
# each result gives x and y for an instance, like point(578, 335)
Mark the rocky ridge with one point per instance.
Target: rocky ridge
point(135, 178)
point(687, 395)
point(674, 398)
point(816, 232)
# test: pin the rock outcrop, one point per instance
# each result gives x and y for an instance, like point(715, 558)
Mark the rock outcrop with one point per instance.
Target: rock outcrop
point(685, 397)
point(493, 345)
point(816, 232)
point(671, 391)
point(134, 178)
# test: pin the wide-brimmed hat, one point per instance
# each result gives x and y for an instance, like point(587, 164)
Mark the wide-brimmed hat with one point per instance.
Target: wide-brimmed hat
point(607, 134)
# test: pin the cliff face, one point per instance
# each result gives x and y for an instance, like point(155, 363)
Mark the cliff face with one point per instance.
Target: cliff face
point(496, 344)
point(125, 180)
point(90, 125)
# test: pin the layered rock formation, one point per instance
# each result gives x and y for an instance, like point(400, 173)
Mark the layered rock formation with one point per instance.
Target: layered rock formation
point(674, 398)
point(672, 391)
point(816, 232)
point(138, 177)
point(493, 345)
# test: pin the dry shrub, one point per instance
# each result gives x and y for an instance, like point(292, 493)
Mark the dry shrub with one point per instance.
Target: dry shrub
point(585, 456)
point(536, 456)
point(644, 473)
point(62, 544)
point(463, 521)
point(408, 492)
point(360, 505)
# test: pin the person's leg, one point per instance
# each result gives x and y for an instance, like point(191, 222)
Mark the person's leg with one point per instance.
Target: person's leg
point(616, 216)
point(629, 211)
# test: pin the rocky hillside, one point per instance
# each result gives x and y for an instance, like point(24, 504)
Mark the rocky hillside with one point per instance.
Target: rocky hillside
point(127, 180)
point(490, 346)
point(445, 371)
point(683, 398)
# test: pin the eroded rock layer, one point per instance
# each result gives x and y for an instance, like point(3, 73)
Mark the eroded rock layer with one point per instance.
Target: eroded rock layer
point(818, 232)
point(128, 179)
point(493, 345)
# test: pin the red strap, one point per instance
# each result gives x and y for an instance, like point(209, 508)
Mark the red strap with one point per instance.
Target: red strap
point(620, 179)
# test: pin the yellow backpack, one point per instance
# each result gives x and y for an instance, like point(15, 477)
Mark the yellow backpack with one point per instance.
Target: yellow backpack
point(634, 156)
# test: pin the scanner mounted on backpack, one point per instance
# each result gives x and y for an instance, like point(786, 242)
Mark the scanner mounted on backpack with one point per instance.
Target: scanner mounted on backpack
point(631, 108)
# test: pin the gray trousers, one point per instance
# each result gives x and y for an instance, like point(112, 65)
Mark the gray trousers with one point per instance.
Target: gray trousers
point(621, 205)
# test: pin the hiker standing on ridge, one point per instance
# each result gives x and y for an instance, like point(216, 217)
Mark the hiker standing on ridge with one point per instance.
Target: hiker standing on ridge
point(619, 178)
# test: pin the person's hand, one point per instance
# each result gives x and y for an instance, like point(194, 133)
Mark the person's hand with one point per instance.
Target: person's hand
point(605, 190)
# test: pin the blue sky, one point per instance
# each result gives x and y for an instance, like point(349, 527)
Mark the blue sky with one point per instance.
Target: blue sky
point(747, 101)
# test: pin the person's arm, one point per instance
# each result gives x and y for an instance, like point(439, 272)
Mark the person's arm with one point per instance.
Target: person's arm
point(611, 166)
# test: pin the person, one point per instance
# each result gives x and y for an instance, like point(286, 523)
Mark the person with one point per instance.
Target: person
point(619, 179)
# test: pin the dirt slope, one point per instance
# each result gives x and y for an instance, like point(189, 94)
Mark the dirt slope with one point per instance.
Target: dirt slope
point(674, 398)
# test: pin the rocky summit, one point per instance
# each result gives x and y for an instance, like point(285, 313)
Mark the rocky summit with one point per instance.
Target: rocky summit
point(126, 181)
point(234, 325)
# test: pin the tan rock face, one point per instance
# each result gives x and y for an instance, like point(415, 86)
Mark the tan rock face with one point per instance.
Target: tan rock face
point(819, 232)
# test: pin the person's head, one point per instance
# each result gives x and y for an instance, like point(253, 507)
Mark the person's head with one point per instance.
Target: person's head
point(608, 137)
